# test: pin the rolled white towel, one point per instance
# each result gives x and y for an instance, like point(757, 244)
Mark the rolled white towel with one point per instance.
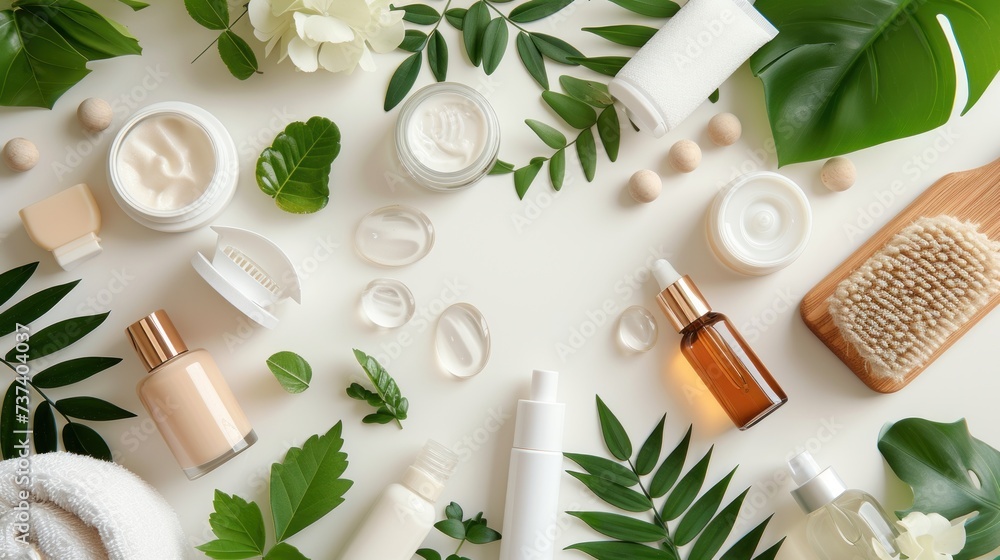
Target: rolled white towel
point(85, 509)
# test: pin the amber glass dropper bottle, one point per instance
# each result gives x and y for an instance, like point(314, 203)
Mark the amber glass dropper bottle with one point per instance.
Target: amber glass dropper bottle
point(723, 360)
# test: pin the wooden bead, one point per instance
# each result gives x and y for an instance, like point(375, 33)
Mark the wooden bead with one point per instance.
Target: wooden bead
point(684, 156)
point(20, 154)
point(839, 174)
point(95, 114)
point(725, 129)
point(645, 185)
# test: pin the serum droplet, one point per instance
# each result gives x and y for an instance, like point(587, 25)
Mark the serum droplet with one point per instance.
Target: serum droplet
point(394, 236)
point(637, 329)
point(387, 303)
point(462, 340)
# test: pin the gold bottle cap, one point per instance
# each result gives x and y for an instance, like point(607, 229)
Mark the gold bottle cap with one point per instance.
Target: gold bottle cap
point(155, 339)
point(682, 303)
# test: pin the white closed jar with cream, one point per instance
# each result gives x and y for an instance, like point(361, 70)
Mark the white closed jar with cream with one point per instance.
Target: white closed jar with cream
point(447, 137)
point(173, 167)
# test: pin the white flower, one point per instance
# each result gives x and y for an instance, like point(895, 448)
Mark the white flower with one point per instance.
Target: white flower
point(337, 35)
point(927, 537)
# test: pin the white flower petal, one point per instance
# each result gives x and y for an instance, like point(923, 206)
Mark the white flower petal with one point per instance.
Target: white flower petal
point(908, 544)
point(367, 62)
point(881, 552)
point(355, 13)
point(340, 57)
point(386, 39)
point(283, 7)
point(264, 22)
point(952, 539)
point(326, 29)
point(303, 55)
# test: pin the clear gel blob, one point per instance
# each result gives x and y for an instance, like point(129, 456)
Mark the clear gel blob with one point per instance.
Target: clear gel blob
point(387, 303)
point(637, 329)
point(462, 340)
point(394, 236)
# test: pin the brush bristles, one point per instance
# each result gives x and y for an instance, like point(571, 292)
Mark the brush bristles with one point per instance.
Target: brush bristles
point(251, 268)
point(902, 304)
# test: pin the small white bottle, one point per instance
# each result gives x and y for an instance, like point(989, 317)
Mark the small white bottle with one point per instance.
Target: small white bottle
point(536, 464)
point(405, 512)
point(843, 524)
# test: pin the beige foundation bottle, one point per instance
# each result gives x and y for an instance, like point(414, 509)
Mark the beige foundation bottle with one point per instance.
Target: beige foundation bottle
point(67, 224)
point(188, 398)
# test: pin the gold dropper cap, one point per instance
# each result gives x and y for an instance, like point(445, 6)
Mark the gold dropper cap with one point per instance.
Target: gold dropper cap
point(680, 300)
point(155, 339)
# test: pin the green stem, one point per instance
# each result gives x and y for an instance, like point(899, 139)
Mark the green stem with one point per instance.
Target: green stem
point(504, 16)
point(669, 542)
point(435, 28)
point(51, 402)
point(460, 545)
point(245, 10)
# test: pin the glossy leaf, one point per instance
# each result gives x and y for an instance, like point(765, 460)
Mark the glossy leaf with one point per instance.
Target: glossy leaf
point(502, 168)
point(211, 14)
point(649, 453)
point(936, 460)
point(714, 97)
point(454, 528)
point(771, 553)
point(605, 468)
point(621, 527)
point(402, 81)
point(420, 14)
point(44, 433)
point(534, 10)
point(12, 280)
point(88, 32)
point(437, 56)
point(413, 40)
point(592, 93)
point(393, 402)
point(307, 484)
point(292, 371)
point(473, 27)
point(531, 57)
point(628, 35)
point(609, 128)
point(428, 554)
point(745, 547)
point(670, 469)
point(83, 440)
point(495, 39)
point(237, 55)
point(701, 512)
point(59, 335)
point(715, 534)
point(607, 65)
point(295, 169)
point(72, 371)
point(456, 17)
point(9, 422)
point(524, 176)
point(576, 113)
point(614, 494)
point(880, 70)
point(284, 551)
point(684, 494)
point(91, 408)
point(614, 550)
point(555, 48)
point(40, 66)
point(552, 137)
point(454, 511)
point(34, 306)
point(557, 169)
point(615, 437)
point(238, 526)
point(479, 533)
point(358, 392)
point(586, 150)
point(134, 4)
point(651, 8)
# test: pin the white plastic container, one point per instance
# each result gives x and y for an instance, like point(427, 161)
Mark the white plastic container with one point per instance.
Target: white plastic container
point(759, 223)
point(530, 521)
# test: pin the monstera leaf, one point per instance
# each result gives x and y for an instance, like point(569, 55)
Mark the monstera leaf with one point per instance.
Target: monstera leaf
point(843, 75)
point(951, 472)
point(45, 46)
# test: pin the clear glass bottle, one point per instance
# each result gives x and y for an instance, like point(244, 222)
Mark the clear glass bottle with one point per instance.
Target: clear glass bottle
point(843, 524)
point(724, 361)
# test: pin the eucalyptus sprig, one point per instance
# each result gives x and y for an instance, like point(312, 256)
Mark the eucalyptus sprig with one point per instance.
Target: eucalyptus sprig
point(237, 55)
point(390, 404)
point(632, 483)
point(474, 530)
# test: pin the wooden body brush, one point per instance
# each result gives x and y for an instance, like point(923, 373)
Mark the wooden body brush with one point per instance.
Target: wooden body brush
point(917, 285)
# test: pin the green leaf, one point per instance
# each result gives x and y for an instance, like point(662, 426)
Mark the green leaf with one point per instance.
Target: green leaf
point(524, 176)
point(605, 468)
point(701, 512)
point(402, 81)
point(771, 553)
point(880, 70)
point(649, 453)
point(71, 371)
point(9, 422)
point(615, 494)
point(43, 429)
point(717, 531)
point(38, 63)
point(91, 408)
point(456, 17)
point(395, 404)
point(59, 335)
point(420, 14)
point(620, 551)
point(291, 370)
point(610, 130)
point(621, 527)
point(531, 57)
point(428, 554)
point(378, 418)
point(628, 35)
point(83, 440)
point(607, 65)
point(284, 551)
point(651, 8)
point(670, 470)
point(437, 56)
point(586, 149)
point(714, 98)
point(534, 10)
point(12, 280)
point(237, 55)
point(473, 27)
point(576, 113)
point(557, 169)
point(212, 14)
point(936, 460)
point(614, 433)
point(134, 4)
point(594, 94)
point(34, 306)
point(552, 137)
point(682, 496)
point(358, 392)
point(454, 528)
point(745, 547)
point(88, 32)
point(295, 169)
point(502, 168)
point(413, 40)
point(555, 48)
point(494, 44)
point(306, 485)
point(239, 527)
point(454, 511)
point(481, 534)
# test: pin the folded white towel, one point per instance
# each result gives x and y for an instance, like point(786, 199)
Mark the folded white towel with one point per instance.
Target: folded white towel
point(85, 509)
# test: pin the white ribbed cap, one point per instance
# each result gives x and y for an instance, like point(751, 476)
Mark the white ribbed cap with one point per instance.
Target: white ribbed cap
point(816, 488)
point(540, 419)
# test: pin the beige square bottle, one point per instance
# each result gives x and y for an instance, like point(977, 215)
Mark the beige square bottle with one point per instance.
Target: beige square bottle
point(67, 224)
point(188, 398)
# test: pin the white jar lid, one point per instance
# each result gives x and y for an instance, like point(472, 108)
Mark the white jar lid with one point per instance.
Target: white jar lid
point(759, 223)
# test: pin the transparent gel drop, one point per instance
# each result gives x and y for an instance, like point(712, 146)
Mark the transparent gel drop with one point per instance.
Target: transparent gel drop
point(394, 236)
point(387, 303)
point(462, 340)
point(637, 329)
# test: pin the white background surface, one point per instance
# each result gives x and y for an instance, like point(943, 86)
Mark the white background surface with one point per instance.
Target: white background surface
point(539, 270)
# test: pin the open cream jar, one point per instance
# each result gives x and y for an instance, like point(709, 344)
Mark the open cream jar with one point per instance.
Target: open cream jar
point(173, 167)
point(447, 136)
